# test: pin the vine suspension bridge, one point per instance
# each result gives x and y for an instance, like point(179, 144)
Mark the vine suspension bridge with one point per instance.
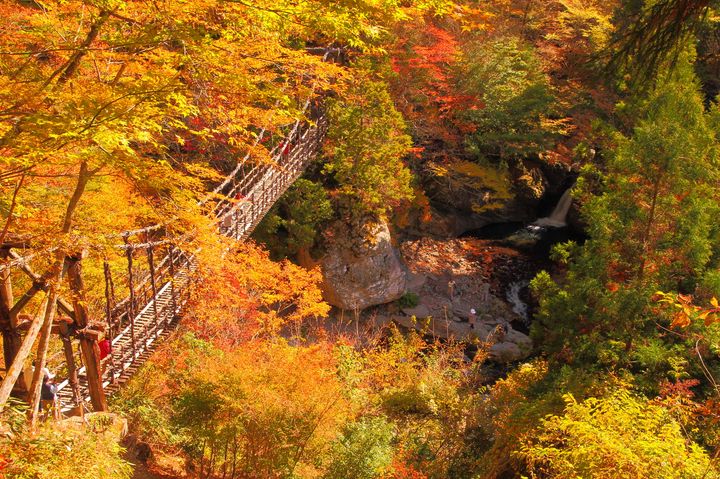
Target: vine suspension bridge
point(158, 279)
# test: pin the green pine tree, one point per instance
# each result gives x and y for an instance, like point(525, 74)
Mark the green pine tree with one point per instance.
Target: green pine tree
point(652, 227)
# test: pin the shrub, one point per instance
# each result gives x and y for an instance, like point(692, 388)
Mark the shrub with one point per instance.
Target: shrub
point(619, 436)
point(408, 300)
point(43, 454)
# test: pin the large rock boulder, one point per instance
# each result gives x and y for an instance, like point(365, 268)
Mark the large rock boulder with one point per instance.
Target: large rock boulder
point(361, 267)
point(530, 186)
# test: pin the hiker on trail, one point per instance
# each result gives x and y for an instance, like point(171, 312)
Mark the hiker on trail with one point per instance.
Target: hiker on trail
point(472, 318)
point(47, 375)
point(49, 389)
point(485, 294)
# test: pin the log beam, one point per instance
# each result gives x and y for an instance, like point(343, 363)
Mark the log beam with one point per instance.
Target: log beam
point(10, 335)
point(62, 326)
point(39, 283)
point(72, 371)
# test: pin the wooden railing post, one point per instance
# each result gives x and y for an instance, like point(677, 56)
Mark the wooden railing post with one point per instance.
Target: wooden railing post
point(173, 297)
point(131, 301)
point(72, 370)
point(153, 284)
point(109, 309)
point(88, 338)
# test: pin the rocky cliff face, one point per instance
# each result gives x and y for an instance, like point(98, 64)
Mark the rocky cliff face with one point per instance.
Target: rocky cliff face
point(467, 196)
point(361, 267)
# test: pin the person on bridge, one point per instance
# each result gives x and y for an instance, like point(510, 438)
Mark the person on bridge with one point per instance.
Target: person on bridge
point(286, 150)
point(105, 348)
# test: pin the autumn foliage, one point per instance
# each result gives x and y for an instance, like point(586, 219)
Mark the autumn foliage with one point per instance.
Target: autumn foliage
point(248, 296)
point(119, 114)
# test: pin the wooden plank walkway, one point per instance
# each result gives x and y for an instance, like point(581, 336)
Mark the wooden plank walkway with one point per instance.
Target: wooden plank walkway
point(148, 329)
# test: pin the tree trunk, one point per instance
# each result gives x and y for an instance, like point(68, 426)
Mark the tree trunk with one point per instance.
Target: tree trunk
point(10, 337)
point(648, 227)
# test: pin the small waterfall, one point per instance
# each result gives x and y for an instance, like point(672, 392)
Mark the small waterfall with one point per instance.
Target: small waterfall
point(557, 218)
point(518, 305)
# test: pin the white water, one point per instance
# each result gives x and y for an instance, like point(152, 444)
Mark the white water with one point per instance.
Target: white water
point(558, 217)
point(518, 305)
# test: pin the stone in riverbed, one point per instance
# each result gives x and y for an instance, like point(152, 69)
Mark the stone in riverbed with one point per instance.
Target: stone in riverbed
point(511, 346)
point(523, 341)
point(362, 268)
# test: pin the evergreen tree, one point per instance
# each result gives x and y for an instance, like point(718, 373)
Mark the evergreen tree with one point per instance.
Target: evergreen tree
point(366, 145)
point(651, 228)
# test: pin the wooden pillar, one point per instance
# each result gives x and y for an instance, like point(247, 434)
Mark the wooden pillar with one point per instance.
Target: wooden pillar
point(88, 342)
point(42, 347)
point(236, 222)
point(72, 370)
point(109, 318)
point(8, 322)
point(153, 283)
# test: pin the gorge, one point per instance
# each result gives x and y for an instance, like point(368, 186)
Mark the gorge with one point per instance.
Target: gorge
point(367, 239)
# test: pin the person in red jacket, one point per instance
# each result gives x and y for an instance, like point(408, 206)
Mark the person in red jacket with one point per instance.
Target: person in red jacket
point(105, 348)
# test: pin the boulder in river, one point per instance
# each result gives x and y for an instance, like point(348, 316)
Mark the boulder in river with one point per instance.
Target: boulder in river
point(361, 267)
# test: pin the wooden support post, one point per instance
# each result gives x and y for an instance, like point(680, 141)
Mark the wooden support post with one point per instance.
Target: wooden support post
point(109, 308)
point(91, 356)
point(26, 297)
point(236, 222)
point(18, 364)
point(40, 360)
point(72, 371)
point(8, 322)
point(88, 343)
point(173, 298)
